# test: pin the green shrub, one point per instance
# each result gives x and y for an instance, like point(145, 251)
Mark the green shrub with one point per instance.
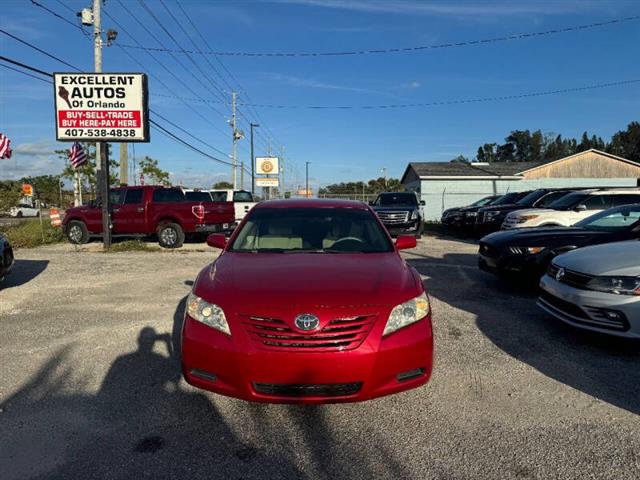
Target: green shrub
point(29, 233)
point(132, 246)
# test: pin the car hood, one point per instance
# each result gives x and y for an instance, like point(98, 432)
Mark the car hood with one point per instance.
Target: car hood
point(619, 258)
point(399, 207)
point(543, 236)
point(500, 208)
point(533, 211)
point(245, 280)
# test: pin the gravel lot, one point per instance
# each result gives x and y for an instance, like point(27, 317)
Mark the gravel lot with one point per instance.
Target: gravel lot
point(514, 394)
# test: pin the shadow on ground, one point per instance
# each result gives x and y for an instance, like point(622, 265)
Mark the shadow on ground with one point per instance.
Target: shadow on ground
point(605, 367)
point(145, 422)
point(24, 271)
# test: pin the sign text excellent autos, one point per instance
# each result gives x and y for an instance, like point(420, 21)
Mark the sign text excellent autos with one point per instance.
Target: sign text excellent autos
point(101, 107)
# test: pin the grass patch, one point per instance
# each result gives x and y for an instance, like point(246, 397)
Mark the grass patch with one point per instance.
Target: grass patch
point(29, 234)
point(132, 246)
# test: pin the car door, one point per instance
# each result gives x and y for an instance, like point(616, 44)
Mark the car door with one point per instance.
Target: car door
point(129, 216)
point(242, 201)
point(593, 204)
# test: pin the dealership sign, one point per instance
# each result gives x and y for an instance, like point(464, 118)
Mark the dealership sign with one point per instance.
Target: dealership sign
point(267, 182)
point(267, 165)
point(105, 107)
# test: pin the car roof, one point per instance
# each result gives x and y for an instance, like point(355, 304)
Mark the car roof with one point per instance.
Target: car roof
point(312, 203)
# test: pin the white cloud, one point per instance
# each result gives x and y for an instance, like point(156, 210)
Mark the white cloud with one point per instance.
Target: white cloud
point(464, 9)
point(412, 85)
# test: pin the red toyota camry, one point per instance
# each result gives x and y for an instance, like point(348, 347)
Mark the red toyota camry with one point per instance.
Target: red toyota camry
point(309, 302)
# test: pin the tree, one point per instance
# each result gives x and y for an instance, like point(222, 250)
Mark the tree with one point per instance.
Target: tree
point(222, 186)
point(10, 194)
point(626, 143)
point(150, 169)
point(460, 159)
point(506, 153)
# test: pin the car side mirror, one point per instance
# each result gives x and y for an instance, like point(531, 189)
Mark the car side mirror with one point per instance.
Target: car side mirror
point(422, 203)
point(217, 240)
point(580, 208)
point(404, 242)
point(372, 203)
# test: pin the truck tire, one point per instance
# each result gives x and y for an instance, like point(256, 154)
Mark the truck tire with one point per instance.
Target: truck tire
point(77, 232)
point(170, 235)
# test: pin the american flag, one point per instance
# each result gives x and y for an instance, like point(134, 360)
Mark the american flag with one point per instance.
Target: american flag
point(77, 156)
point(5, 147)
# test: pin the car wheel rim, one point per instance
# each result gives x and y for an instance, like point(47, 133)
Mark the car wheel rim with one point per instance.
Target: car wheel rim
point(169, 236)
point(75, 233)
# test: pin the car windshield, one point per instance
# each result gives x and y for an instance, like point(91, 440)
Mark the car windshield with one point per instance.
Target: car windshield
point(530, 199)
point(311, 230)
point(197, 196)
point(483, 201)
point(396, 199)
point(242, 197)
point(614, 219)
point(568, 201)
point(507, 199)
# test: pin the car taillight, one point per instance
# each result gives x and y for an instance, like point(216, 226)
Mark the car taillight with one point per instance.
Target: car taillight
point(198, 211)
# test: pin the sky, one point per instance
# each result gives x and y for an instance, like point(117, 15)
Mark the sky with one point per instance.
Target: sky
point(340, 144)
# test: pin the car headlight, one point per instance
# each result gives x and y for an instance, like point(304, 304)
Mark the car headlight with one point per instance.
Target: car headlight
point(525, 250)
point(414, 215)
point(471, 214)
point(407, 313)
point(617, 285)
point(492, 214)
point(207, 313)
point(526, 218)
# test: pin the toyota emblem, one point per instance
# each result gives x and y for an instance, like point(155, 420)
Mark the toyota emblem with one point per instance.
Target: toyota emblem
point(307, 321)
point(559, 274)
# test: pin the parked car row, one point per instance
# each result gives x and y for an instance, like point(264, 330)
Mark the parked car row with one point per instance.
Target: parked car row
point(589, 273)
point(544, 207)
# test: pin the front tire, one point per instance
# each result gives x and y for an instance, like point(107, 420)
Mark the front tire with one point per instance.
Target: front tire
point(420, 230)
point(170, 235)
point(77, 232)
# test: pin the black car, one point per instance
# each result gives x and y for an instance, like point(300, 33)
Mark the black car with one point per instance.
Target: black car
point(6, 257)
point(527, 252)
point(399, 212)
point(454, 217)
point(486, 217)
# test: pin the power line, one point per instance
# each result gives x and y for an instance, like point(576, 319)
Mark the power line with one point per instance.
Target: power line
point(23, 65)
point(485, 41)
point(57, 15)
point(453, 102)
point(24, 73)
point(24, 42)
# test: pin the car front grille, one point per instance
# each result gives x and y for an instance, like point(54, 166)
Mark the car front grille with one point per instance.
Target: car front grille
point(389, 217)
point(563, 306)
point(570, 277)
point(308, 390)
point(339, 334)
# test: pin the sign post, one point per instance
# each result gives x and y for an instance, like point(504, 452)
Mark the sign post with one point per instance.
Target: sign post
point(101, 107)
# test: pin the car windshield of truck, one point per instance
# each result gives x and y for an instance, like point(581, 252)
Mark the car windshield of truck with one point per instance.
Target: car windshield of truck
point(242, 197)
point(311, 230)
point(568, 201)
point(197, 196)
point(507, 199)
point(530, 199)
point(396, 200)
point(612, 220)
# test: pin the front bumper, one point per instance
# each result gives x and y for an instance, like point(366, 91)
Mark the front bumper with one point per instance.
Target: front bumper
point(227, 365)
point(401, 228)
point(214, 228)
point(587, 309)
point(532, 266)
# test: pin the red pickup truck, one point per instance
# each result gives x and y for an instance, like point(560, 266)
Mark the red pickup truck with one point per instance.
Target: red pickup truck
point(148, 210)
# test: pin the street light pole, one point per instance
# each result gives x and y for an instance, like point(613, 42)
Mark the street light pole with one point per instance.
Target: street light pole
point(306, 192)
point(253, 161)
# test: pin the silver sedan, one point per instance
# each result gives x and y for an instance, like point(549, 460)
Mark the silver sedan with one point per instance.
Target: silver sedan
point(596, 288)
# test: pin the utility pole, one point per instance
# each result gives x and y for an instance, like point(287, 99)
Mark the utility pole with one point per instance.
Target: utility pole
point(282, 170)
point(242, 175)
point(253, 161)
point(124, 165)
point(384, 174)
point(306, 192)
point(102, 162)
point(237, 135)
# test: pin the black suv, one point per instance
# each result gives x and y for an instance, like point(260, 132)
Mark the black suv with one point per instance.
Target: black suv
point(399, 212)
